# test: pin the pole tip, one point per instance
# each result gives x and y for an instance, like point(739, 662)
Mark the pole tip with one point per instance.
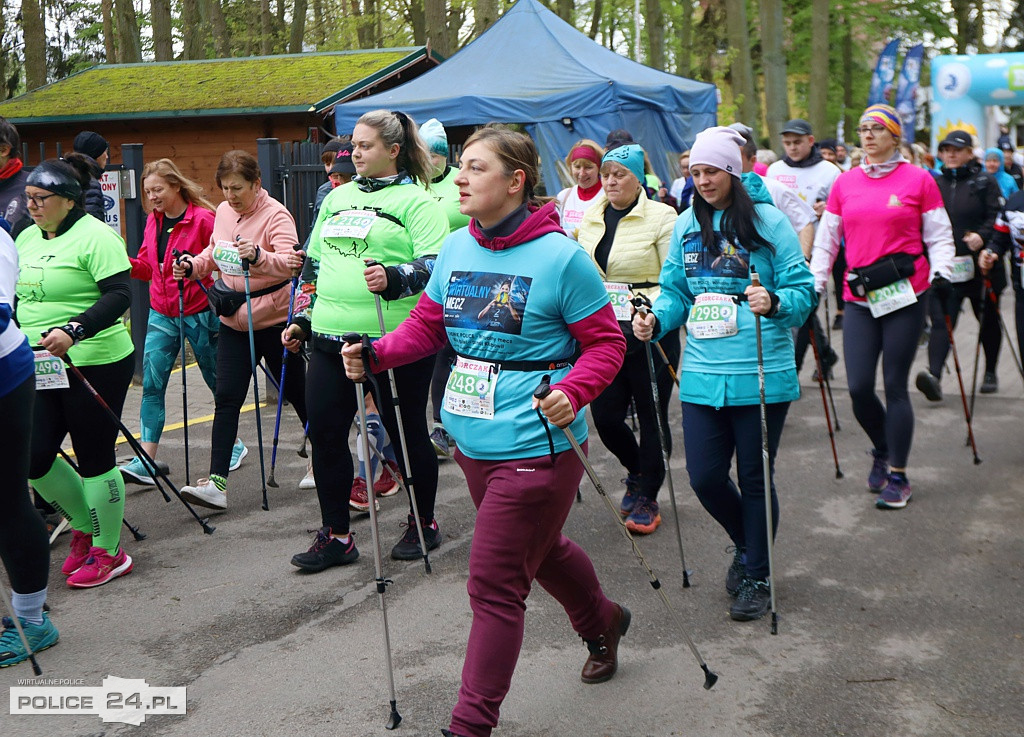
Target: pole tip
point(710, 678)
point(839, 474)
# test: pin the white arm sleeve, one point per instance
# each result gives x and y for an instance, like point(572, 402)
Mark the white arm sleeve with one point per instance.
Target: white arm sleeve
point(937, 234)
point(826, 248)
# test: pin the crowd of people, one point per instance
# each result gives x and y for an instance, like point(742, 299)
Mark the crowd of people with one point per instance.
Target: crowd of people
point(468, 289)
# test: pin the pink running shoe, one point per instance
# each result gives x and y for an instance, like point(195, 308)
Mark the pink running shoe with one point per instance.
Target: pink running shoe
point(100, 568)
point(81, 543)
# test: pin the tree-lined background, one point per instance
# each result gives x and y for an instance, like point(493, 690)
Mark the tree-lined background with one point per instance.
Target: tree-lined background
point(772, 59)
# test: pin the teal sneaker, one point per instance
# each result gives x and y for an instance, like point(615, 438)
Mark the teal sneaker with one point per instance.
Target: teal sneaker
point(39, 636)
point(136, 471)
point(238, 452)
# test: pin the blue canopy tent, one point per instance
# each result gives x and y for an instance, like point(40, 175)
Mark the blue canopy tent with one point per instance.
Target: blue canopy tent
point(531, 67)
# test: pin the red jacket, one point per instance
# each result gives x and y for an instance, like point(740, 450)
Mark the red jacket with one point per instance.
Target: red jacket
point(192, 234)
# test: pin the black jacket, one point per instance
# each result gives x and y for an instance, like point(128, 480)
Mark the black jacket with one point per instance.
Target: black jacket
point(13, 205)
point(94, 193)
point(1012, 221)
point(971, 198)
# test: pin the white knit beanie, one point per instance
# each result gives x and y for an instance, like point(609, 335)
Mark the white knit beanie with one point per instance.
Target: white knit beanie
point(718, 147)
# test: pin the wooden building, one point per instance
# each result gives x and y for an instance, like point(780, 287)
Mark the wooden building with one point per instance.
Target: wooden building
point(194, 111)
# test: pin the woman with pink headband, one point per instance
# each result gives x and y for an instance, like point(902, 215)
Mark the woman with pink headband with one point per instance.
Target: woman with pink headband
point(584, 161)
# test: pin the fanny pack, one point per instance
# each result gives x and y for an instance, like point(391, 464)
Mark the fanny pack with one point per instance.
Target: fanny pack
point(883, 272)
point(225, 302)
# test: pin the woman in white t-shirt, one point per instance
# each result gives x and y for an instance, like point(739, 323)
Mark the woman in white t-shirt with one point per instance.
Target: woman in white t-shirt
point(584, 161)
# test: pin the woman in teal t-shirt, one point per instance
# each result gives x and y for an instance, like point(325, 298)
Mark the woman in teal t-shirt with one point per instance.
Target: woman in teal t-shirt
point(72, 291)
point(385, 216)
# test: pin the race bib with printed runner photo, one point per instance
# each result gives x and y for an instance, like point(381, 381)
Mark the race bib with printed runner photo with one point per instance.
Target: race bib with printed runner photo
point(963, 269)
point(470, 389)
point(225, 255)
point(890, 298)
point(50, 371)
point(713, 315)
point(619, 295)
point(348, 224)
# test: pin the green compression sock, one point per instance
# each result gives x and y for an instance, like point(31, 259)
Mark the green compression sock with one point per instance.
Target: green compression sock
point(62, 487)
point(105, 496)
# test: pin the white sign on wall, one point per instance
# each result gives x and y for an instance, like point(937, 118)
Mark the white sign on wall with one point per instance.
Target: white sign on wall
point(110, 183)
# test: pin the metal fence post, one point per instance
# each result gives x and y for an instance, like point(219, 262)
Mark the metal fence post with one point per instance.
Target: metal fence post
point(268, 154)
point(134, 227)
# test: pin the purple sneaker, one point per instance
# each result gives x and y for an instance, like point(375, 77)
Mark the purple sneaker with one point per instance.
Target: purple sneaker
point(879, 476)
point(896, 493)
point(629, 499)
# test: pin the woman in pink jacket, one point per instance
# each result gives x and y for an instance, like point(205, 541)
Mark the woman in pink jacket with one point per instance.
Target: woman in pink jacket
point(253, 226)
point(180, 219)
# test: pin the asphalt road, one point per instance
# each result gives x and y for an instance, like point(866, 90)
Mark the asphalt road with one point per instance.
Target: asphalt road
point(891, 623)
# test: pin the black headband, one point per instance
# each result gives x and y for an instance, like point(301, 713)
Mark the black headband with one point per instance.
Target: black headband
point(57, 177)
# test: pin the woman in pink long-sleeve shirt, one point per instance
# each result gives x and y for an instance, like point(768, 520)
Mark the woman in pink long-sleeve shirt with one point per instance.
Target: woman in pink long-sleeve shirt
point(516, 298)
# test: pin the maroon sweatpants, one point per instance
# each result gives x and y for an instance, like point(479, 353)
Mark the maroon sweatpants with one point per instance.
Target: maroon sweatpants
point(521, 507)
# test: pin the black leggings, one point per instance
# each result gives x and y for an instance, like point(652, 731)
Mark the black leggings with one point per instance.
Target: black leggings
point(633, 381)
point(74, 411)
point(438, 382)
point(894, 338)
point(24, 547)
point(838, 271)
point(234, 376)
point(991, 338)
point(332, 403)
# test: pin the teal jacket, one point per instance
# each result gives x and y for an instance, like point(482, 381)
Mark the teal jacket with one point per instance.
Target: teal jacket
point(721, 372)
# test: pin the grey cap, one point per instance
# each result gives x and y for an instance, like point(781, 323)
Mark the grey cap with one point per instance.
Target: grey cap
point(799, 126)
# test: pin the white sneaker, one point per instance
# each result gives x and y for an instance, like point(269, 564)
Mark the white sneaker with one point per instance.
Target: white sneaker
point(238, 452)
point(308, 482)
point(206, 494)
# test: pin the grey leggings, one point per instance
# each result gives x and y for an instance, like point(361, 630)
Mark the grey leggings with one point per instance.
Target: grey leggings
point(894, 338)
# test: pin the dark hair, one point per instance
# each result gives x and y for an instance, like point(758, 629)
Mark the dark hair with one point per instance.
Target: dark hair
point(514, 150)
point(397, 127)
point(738, 224)
point(9, 135)
point(238, 162)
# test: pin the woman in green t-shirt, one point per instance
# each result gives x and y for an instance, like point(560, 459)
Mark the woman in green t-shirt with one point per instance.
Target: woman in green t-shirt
point(72, 291)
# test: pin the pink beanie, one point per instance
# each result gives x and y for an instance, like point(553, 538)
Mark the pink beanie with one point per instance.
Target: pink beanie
point(718, 147)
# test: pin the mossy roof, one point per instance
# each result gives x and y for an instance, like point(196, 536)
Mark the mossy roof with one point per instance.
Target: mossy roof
point(288, 83)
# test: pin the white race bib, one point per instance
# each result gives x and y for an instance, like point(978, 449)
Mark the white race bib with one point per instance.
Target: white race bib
point(50, 371)
point(348, 224)
point(890, 298)
point(619, 295)
point(225, 255)
point(963, 269)
point(713, 315)
point(470, 389)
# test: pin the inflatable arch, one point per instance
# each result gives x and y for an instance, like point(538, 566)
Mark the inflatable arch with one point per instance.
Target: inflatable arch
point(962, 86)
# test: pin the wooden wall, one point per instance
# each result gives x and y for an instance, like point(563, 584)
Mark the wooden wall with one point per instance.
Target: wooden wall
point(194, 144)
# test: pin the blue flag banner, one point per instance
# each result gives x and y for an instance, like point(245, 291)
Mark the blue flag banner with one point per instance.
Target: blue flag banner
point(906, 90)
point(885, 70)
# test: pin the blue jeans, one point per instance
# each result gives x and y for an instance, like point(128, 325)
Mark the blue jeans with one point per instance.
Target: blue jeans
point(163, 344)
point(710, 436)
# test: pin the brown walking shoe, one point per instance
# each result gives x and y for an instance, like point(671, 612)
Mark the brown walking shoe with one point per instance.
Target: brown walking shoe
point(604, 651)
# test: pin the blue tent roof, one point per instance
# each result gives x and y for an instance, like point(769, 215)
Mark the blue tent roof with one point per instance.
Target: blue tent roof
point(532, 67)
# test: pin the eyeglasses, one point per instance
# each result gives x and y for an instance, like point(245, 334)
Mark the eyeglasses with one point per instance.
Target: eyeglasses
point(874, 130)
point(39, 200)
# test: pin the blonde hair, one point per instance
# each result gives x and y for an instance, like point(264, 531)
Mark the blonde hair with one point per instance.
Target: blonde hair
point(592, 145)
point(397, 127)
point(190, 191)
point(515, 151)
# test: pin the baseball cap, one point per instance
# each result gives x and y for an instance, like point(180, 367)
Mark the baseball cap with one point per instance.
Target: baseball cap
point(799, 126)
point(343, 161)
point(957, 139)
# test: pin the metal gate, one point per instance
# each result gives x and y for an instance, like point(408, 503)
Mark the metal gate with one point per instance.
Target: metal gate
point(292, 172)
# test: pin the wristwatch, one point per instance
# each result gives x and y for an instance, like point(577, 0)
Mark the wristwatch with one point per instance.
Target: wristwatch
point(74, 331)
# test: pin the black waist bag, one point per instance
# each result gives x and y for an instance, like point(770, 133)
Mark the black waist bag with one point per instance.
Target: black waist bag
point(883, 272)
point(225, 302)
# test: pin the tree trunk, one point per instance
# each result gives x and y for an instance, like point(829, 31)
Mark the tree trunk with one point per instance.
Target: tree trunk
point(654, 24)
point(320, 37)
point(298, 27)
point(848, 110)
point(266, 28)
point(194, 46)
point(962, 14)
point(35, 44)
point(109, 38)
point(595, 19)
point(979, 27)
point(566, 10)
point(685, 39)
point(485, 12)
point(817, 92)
point(129, 43)
point(161, 18)
point(774, 62)
point(742, 69)
point(364, 26)
point(219, 24)
point(437, 26)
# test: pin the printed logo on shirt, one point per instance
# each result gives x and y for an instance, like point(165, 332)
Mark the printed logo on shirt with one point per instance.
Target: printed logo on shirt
point(30, 284)
point(894, 201)
point(724, 260)
point(486, 301)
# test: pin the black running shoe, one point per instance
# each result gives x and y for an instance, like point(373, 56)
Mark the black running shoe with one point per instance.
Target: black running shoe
point(991, 383)
point(326, 552)
point(408, 548)
point(929, 385)
point(752, 600)
point(736, 572)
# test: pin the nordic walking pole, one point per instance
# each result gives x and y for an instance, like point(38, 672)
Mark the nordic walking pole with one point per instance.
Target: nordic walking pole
point(410, 484)
point(668, 363)
point(139, 450)
point(382, 583)
point(765, 459)
point(184, 385)
point(960, 380)
point(977, 348)
point(139, 536)
point(280, 385)
point(255, 381)
point(642, 306)
point(828, 417)
point(543, 389)
point(21, 632)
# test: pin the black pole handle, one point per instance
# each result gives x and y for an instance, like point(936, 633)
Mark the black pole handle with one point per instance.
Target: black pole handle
point(543, 388)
